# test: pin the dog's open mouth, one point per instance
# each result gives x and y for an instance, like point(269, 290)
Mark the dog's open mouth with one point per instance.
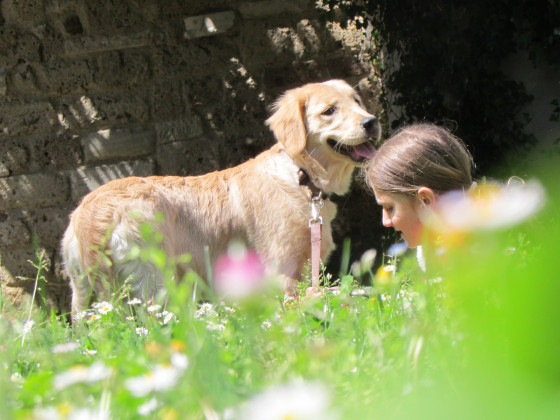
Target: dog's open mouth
point(358, 153)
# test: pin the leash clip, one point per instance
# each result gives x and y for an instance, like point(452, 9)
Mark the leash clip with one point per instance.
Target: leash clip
point(317, 204)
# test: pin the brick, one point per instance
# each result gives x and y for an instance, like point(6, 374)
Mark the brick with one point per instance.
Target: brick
point(23, 81)
point(14, 157)
point(118, 15)
point(13, 232)
point(16, 266)
point(3, 74)
point(33, 190)
point(27, 118)
point(108, 109)
point(86, 179)
point(195, 157)
point(77, 113)
point(121, 70)
point(179, 130)
point(64, 76)
point(118, 143)
point(89, 44)
point(47, 225)
point(55, 151)
point(268, 8)
point(24, 13)
point(167, 100)
point(17, 45)
point(208, 25)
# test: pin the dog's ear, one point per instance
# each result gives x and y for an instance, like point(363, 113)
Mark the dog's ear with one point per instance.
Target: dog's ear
point(287, 122)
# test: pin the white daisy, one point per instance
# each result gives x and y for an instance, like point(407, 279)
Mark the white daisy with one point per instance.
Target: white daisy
point(167, 317)
point(161, 378)
point(28, 326)
point(82, 374)
point(104, 308)
point(153, 308)
point(64, 347)
point(141, 331)
point(94, 317)
point(16, 377)
point(295, 401)
point(148, 407)
point(134, 301)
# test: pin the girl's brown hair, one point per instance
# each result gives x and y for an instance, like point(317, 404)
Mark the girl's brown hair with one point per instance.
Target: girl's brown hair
point(420, 155)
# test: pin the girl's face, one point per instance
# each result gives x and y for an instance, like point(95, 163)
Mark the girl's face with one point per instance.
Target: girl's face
point(402, 212)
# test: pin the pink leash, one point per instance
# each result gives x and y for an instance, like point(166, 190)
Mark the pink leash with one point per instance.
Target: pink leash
point(316, 225)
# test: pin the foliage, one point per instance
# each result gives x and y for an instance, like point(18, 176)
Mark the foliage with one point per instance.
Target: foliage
point(443, 61)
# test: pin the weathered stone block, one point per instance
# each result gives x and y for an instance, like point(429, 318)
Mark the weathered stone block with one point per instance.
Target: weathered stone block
point(86, 179)
point(55, 151)
point(47, 225)
point(89, 44)
point(109, 109)
point(17, 45)
point(23, 81)
point(179, 130)
point(195, 157)
point(27, 118)
point(119, 16)
point(3, 83)
point(64, 76)
point(14, 157)
point(167, 100)
point(33, 190)
point(208, 25)
point(118, 143)
point(267, 8)
point(77, 113)
point(121, 69)
point(24, 13)
point(17, 265)
point(13, 232)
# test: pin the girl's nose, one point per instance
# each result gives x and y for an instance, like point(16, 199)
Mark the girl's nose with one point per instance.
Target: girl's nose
point(387, 222)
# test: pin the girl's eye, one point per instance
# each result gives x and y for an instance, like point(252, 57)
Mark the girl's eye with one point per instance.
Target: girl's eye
point(329, 111)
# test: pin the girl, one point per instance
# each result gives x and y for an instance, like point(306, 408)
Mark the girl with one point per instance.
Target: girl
point(411, 170)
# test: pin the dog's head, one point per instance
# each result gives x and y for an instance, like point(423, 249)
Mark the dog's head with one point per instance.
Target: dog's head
point(326, 130)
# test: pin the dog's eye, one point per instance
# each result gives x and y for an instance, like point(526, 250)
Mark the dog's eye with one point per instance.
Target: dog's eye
point(329, 111)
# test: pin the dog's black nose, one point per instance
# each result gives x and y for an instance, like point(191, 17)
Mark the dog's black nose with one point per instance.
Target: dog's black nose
point(371, 126)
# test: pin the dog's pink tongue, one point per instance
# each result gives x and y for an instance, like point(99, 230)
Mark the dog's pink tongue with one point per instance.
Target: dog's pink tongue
point(365, 150)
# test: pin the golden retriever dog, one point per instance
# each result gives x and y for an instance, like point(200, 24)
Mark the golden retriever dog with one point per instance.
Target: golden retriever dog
point(323, 134)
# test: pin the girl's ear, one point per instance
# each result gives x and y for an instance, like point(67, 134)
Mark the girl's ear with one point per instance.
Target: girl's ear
point(427, 196)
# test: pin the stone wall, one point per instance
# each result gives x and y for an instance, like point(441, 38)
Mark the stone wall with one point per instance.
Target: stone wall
point(96, 90)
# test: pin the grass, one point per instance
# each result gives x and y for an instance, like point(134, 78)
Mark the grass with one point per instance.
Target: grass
point(475, 338)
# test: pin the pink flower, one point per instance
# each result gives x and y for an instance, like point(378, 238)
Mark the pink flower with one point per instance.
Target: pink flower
point(239, 272)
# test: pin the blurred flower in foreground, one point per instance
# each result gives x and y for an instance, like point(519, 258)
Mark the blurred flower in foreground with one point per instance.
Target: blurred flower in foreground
point(397, 249)
point(487, 207)
point(80, 373)
point(362, 267)
point(238, 273)
point(161, 378)
point(64, 347)
point(295, 401)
